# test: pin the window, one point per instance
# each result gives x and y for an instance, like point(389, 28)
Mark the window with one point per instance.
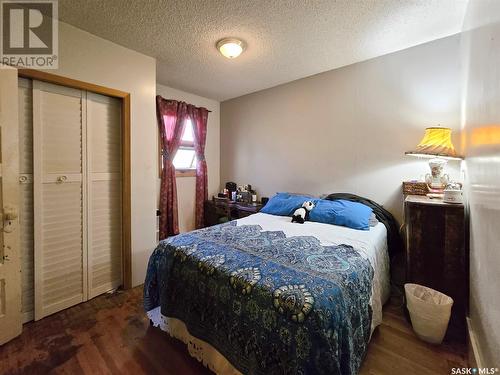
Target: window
point(185, 158)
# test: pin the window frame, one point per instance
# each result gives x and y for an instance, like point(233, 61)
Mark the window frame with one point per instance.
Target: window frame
point(186, 172)
point(179, 172)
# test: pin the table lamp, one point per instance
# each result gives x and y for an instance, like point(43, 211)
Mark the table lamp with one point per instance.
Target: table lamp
point(437, 145)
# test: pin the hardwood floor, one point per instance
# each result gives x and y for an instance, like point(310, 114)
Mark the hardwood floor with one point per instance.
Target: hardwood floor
point(111, 335)
point(394, 349)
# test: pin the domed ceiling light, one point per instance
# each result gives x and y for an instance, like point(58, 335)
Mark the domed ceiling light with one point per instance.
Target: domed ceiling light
point(230, 47)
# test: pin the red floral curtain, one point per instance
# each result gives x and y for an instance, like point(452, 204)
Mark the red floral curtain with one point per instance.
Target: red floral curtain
point(199, 117)
point(171, 116)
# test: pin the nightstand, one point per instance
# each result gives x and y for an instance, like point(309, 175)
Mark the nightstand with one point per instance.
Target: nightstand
point(437, 254)
point(220, 210)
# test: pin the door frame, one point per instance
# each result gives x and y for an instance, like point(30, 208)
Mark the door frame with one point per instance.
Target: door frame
point(126, 181)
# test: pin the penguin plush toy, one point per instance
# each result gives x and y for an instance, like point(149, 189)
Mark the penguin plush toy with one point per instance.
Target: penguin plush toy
point(302, 214)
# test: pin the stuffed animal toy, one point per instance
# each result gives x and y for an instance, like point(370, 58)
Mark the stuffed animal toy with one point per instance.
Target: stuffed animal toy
point(302, 214)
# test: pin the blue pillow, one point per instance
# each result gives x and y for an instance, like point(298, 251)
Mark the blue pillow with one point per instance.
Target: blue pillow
point(342, 212)
point(284, 204)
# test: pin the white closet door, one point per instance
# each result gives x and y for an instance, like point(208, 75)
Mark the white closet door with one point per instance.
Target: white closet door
point(26, 197)
point(105, 196)
point(10, 266)
point(59, 120)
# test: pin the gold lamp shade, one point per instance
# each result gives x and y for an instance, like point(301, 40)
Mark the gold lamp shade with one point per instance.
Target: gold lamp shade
point(436, 142)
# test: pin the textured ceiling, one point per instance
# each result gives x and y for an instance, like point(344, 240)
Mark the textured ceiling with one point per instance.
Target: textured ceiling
point(287, 39)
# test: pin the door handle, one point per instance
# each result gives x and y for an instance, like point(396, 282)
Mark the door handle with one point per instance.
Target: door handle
point(62, 179)
point(9, 213)
point(9, 216)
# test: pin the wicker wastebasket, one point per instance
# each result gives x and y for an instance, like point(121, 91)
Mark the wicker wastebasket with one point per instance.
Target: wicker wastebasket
point(430, 312)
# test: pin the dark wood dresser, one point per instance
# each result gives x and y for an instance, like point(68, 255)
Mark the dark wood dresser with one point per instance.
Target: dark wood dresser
point(221, 210)
point(437, 254)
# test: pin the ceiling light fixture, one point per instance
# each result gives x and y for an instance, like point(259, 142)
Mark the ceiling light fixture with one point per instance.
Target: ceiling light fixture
point(230, 47)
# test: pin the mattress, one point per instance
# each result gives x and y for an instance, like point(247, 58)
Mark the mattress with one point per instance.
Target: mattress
point(280, 296)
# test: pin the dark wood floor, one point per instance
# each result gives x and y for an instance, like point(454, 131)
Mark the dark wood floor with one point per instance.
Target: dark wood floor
point(111, 335)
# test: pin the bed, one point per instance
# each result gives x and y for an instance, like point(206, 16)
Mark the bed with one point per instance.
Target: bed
point(262, 295)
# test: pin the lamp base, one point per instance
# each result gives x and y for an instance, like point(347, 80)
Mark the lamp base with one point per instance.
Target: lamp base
point(437, 180)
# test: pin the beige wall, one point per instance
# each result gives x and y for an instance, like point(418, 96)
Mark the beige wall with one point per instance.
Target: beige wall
point(186, 185)
point(86, 57)
point(481, 120)
point(345, 130)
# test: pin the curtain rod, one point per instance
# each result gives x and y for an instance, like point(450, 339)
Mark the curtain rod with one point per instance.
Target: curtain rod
point(209, 111)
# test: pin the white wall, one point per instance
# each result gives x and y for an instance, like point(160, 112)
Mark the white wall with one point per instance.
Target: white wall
point(481, 121)
point(88, 58)
point(186, 185)
point(345, 130)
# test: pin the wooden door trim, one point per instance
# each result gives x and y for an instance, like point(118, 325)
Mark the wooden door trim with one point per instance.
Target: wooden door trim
point(125, 119)
point(69, 82)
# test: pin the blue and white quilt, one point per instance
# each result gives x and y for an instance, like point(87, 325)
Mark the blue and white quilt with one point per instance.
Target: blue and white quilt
point(270, 301)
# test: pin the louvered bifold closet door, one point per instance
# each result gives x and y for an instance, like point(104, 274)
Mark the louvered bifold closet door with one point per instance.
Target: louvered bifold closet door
point(105, 195)
point(26, 197)
point(59, 120)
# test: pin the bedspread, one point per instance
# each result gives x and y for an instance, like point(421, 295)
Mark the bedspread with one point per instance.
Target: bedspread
point(268, 303)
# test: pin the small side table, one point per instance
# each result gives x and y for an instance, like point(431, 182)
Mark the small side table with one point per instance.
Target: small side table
point(436, 253)
point(220, 210)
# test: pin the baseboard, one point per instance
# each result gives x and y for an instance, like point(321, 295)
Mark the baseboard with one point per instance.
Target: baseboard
point(474, 352)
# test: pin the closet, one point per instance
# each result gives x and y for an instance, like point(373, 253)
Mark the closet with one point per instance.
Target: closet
point(70, 196)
